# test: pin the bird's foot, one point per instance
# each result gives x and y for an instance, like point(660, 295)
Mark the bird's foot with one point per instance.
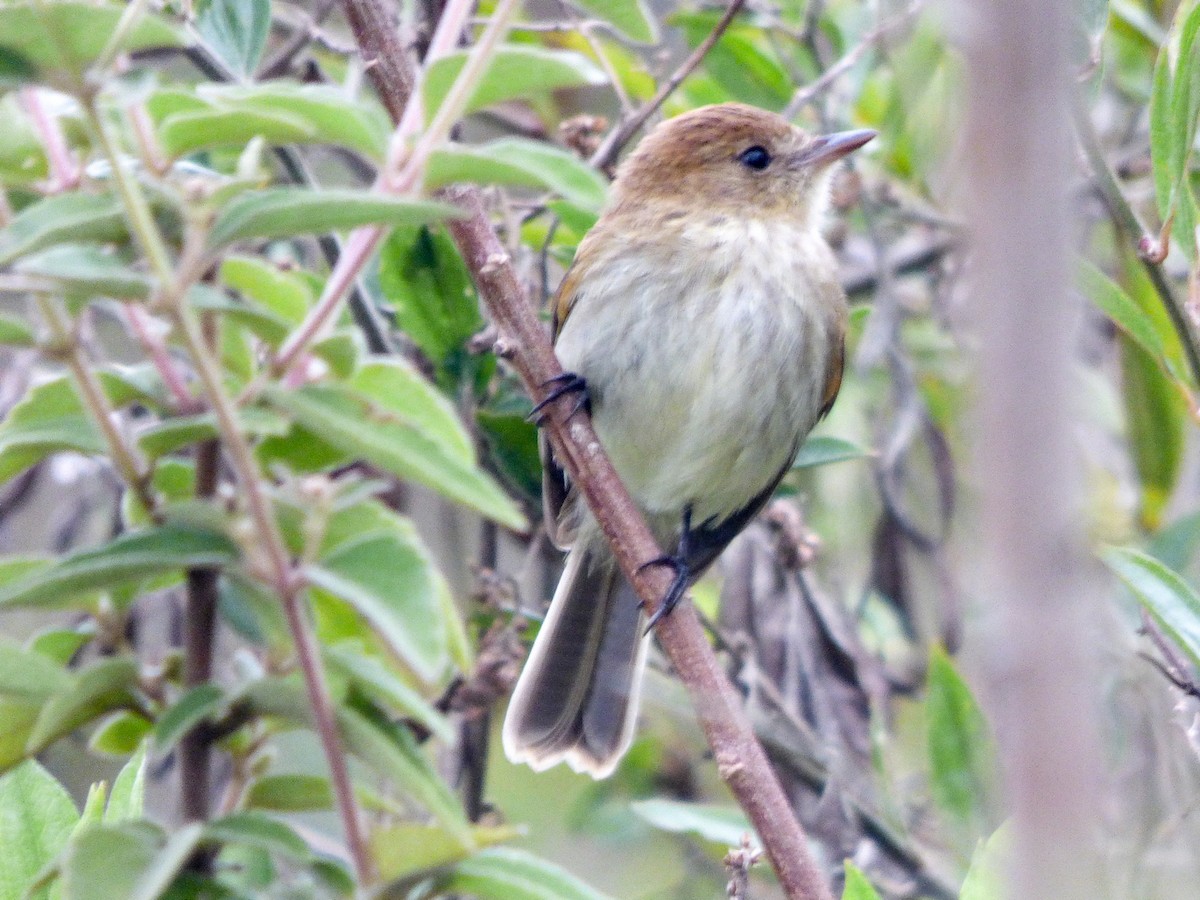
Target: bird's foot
point(679, 586)
point(565, 383)
point(679, 565)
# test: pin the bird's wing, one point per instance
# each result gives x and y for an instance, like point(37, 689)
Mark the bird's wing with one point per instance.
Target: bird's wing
point(559, 499)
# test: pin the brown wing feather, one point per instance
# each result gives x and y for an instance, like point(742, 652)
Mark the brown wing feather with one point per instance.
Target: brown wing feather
point(558, 498)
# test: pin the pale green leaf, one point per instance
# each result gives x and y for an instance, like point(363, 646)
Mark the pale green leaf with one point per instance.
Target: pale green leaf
point(100, 688)
point(195, 706)
point(516, 72)
point(131, 557)
point(285, 212)
point(290, 793)
point(64, 218)
point(857, 886)
point(236, 30)
point(630, 17)
point(719, 824)
point(49, 38)
point(522, 162)
point(821, 451)
point(1170, 600)
point(505, 873)
point(354, 424)
point(37, 816)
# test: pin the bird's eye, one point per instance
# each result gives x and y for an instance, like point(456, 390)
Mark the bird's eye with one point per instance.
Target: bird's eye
point(755, 157)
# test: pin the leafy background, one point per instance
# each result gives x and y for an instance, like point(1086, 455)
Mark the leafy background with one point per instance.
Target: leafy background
point(174, 182)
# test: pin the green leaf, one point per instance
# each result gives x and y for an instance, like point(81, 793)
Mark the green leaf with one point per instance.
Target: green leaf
point(353, 423)
point(28, 676)
point(128, 793)
point(287, 295)
point(516, 72)
point(120, 734)
point(392, 751)
point(109, 862)
point(719, 824)
point(18, 719)
point(960, 748)
point(15, 332)
point(64, 218)
point(504, 873)
point(990, 864)
point(160, 874)
point(102, 687)
point(206, 129)
point(512, 442)
point(389, 580)
point(196, 705)
point(382, 685)
point(1155, 414)
point(39, 40)
point(857, 886)
point(1175, 546)
point(629, 17)
point(290, 793)
point(279, 111)
point(821, 451)
point(86, 272)
point(742, 62)
point(1161, 139)
point(1171, 601)
point(1115, 303)
point(397, 387)
point(405, 849)
point(422, 275)
point(264, 324)
point(236, 30)
point(285, 212)
point(37, 816)
point(518, 161)
point(131, 557)
point(259, 830)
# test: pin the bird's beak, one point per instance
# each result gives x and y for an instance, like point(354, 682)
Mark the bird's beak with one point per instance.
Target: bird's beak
point(830, 147)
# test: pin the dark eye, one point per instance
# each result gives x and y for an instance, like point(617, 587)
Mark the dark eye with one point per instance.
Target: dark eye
point(755, 157)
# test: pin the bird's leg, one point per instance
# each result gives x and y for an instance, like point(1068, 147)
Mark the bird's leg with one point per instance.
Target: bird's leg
point(679, 565)
point(565, 383)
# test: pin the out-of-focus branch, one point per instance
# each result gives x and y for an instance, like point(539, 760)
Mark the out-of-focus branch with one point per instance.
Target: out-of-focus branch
point(607, 152)
point(1030, 533)
point(740, 759)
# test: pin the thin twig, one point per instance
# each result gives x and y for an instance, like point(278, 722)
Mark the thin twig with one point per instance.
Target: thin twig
point(607, 152)
point(1127, 222)
point(123, 452)
point(740, 759)
point(812, 90)
point(172, 294)
point(403, 170)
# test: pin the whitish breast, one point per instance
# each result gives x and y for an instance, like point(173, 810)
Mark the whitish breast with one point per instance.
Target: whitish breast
point(706, 357)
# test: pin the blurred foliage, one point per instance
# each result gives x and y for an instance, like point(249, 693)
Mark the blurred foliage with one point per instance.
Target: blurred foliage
point(117, 130)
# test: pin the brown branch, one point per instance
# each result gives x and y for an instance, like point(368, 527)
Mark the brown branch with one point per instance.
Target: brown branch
point(525, 342)
point(741, 762)
point(607, 152)
point(383, 53)
point(199, 630)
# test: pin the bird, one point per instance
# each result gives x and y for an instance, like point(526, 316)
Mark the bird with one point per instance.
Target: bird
point(703, 324)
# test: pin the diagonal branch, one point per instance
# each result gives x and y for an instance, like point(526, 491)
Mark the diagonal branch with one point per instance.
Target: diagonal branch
point(525, 343)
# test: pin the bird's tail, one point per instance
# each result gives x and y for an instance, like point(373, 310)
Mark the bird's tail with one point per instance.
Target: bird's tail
point(577, 698)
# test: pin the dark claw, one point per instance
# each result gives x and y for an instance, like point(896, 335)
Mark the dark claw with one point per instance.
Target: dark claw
point(567, 383)
point(678, 564)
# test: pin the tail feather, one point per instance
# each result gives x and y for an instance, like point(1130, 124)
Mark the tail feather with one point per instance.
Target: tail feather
point(576, 700)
